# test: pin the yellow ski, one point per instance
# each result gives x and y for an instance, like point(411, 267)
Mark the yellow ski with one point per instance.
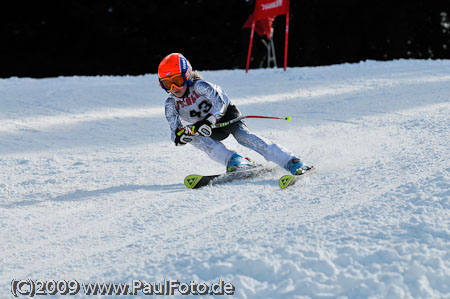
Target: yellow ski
point(191, 181)
point(285, 181)
point(289, 180)
point(195, 181)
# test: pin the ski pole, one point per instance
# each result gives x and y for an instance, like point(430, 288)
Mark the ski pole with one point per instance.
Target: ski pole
point(227, 123)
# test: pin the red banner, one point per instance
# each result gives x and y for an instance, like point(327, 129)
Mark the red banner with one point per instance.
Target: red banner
point(265, 9)
point(262, 27)
point(270, 8)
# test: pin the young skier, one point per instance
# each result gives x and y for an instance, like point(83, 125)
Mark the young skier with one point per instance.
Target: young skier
point(195, 105)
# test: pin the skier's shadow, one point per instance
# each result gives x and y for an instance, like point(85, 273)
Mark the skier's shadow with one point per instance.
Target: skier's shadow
point(82, 194)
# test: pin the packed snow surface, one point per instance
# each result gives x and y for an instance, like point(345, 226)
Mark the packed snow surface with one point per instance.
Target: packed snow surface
point(91, 187)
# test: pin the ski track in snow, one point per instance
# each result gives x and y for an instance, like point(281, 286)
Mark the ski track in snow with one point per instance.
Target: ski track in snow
point(91, 188)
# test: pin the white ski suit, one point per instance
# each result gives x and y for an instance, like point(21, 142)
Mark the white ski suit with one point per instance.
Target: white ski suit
point(203, 98)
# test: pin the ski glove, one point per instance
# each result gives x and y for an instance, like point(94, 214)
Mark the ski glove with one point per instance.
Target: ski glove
point(204, 127)
point(183, 136)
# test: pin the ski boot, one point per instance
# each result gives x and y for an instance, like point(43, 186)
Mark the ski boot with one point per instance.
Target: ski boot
point(238, 163)
point(296, 167)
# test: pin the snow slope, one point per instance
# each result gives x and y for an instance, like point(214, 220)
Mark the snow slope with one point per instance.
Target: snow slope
point(92, 189)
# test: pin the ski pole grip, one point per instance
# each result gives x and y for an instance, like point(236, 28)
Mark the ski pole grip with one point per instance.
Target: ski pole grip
point(227, 123)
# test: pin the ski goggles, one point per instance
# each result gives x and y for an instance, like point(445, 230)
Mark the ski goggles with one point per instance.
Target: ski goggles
point(176, 81)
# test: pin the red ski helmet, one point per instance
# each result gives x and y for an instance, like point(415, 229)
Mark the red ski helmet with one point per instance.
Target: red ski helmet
point(174, 71)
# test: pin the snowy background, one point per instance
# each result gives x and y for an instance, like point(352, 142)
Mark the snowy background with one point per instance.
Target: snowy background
point(91, 187)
